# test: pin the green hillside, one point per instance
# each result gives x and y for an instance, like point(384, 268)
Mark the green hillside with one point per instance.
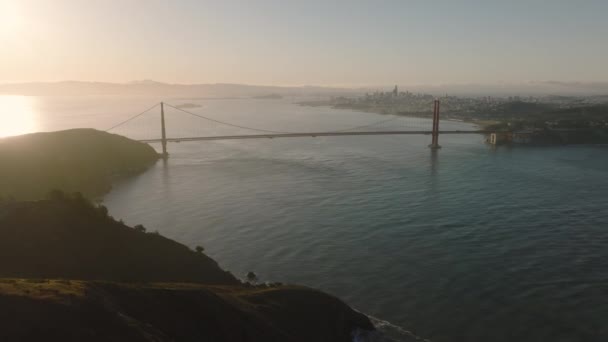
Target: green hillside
point(78, 160)
point(69, 272)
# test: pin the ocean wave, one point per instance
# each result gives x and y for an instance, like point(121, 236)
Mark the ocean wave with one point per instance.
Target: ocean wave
point(386, 332)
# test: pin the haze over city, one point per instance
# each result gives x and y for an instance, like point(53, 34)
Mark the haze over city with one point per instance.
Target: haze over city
point(341, 43)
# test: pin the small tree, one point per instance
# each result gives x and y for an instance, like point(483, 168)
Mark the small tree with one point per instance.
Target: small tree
point(252, 277)
point(79, 197)
point(102, 210)
point(140, 228)
point(199, 249)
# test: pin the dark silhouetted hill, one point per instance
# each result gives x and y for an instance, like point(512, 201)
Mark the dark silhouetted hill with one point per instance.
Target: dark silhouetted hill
point(60, 310)
point(68, 237)
point(77, 160)
point(138, 286)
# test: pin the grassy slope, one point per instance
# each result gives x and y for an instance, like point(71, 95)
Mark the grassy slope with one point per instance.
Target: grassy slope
point(59, 310)
point(68, 238)
point(71, 238)
point(78, 160)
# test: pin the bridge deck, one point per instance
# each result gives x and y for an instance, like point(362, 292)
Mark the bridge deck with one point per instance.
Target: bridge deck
point(309, 134)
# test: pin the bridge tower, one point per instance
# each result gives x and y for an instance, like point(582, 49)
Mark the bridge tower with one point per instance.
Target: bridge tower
point(163, 131)
point(435, 141)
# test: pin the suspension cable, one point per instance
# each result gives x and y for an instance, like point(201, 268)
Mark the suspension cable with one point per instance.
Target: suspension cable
point(227, 123)
point(278, 132)
point(365, 126)
point(133, 117)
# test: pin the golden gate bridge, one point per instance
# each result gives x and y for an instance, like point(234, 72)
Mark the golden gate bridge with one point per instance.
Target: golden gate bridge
point(161, 135)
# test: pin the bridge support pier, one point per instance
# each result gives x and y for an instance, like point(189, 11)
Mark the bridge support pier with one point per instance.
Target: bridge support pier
point(165, 155)
point(435, 141)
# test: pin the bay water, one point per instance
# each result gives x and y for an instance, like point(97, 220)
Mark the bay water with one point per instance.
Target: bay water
point(468, 243)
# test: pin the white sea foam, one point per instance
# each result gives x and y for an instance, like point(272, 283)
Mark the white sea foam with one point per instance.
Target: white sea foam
point(386, 332)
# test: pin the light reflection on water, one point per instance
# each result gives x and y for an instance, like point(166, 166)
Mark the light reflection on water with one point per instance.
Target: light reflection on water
point(462, 244)
point(17, 115)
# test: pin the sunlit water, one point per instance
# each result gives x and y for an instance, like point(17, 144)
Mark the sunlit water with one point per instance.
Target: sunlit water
point(468, 244)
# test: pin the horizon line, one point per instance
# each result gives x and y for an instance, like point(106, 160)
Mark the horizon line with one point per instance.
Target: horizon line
point(331, 86)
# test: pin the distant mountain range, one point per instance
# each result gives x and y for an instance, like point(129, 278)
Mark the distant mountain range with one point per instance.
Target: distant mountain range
point(147, 87)
point(219, 90)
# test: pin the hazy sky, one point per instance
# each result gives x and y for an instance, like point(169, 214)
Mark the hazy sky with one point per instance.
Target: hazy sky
point(351, 43)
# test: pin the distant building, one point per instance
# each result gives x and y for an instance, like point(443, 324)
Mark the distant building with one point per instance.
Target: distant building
point(516, 137)
point(395, 91)
point(498, 138)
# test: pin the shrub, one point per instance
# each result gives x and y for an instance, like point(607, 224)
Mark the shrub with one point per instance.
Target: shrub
point(252, 277)
point(102, 210)
point(140, 228)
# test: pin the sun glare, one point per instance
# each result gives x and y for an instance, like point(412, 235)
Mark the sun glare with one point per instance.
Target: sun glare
point(17, 116)
point(10, 18)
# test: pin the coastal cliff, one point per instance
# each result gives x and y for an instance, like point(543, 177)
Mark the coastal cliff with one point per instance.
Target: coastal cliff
point(68, 310)
point(71, 272)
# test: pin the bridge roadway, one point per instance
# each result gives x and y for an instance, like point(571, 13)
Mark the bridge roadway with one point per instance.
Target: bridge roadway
point(309, 134)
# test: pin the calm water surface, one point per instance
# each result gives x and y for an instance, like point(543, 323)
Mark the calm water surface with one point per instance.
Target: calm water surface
point(467, 244)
